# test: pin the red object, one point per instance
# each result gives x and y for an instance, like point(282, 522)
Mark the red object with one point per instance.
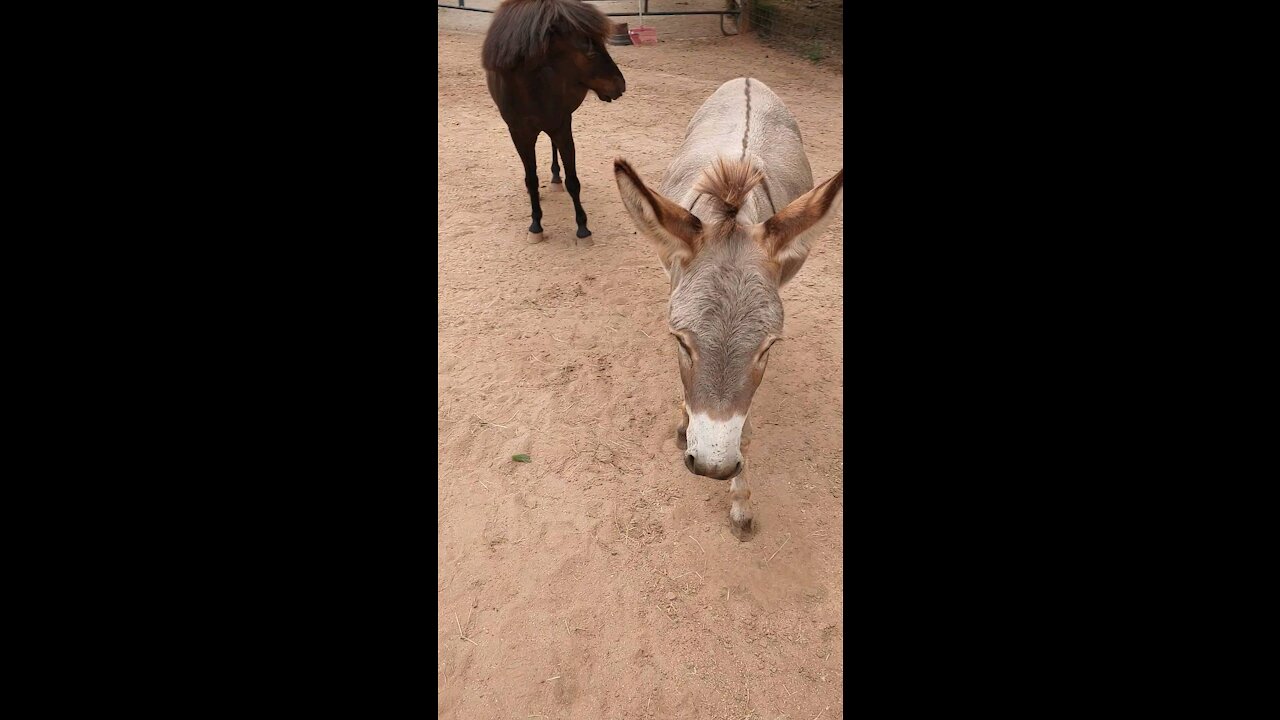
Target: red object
point(644, 36)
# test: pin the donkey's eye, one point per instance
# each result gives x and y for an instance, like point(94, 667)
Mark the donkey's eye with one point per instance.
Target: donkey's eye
point(684, 349)
point(764, 354)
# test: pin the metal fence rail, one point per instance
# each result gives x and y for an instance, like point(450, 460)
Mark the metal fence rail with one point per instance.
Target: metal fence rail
point(732, 11)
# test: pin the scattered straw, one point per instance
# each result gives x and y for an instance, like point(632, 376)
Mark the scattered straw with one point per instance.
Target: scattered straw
point(704, 552)
point(462, 635)
point(784, 544)
point(494, 424)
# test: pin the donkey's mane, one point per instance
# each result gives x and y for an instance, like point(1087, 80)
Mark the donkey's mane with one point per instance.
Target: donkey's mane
point(730, 182)
point(521, 30)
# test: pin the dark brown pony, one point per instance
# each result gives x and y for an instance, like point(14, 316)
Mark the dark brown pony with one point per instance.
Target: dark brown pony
point(541, 58)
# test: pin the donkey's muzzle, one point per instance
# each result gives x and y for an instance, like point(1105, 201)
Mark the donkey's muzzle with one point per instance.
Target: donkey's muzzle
point(718, 472)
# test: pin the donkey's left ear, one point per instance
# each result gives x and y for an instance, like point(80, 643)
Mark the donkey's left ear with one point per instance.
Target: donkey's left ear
point(788, 236)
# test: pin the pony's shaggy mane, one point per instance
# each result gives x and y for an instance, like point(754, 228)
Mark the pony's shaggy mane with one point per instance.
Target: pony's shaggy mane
point(521, 30)
point(730, 182)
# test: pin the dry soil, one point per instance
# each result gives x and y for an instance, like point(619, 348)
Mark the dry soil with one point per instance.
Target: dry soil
point(602, 580)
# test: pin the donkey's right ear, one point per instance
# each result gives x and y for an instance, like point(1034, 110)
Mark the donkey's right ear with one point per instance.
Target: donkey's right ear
point(674, 231)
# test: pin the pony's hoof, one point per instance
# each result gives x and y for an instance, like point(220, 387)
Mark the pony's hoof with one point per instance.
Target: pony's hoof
point(584, 241)
point(555, 185)
point(583, 232)
point(534, 238)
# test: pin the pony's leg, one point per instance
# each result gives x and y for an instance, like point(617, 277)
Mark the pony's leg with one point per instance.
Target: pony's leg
point(555, 165)
point(563, 141)
point(525, 145)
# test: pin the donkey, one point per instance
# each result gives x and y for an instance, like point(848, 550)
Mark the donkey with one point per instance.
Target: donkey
point(541, 57)
point(732, 221)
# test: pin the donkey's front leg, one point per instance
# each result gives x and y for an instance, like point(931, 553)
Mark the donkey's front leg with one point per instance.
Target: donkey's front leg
point(740, 501)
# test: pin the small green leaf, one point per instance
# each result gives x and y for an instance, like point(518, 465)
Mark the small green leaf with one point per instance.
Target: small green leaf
point(521, 458)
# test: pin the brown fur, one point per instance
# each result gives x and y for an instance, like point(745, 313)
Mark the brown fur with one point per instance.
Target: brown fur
point(730, 182)
point(680, 230)
point(799, 216)
point(521, 30)
point(786, 237)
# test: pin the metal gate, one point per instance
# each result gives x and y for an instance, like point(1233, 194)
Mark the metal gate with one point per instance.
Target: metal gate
point(732, 10)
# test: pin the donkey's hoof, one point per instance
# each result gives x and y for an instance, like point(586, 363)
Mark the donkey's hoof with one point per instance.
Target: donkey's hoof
point(534, 238)
point(584, 241)
point(557, 185)
point(583, 232)
point(741, 517)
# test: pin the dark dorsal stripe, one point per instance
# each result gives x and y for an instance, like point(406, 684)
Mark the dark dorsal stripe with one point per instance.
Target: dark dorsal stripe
point(746, 130)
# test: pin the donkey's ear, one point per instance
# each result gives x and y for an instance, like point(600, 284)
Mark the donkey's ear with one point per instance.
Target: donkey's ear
point(674, 231)
point(787, 236)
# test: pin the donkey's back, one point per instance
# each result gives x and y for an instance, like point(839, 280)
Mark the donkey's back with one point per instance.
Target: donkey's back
point(773, 144)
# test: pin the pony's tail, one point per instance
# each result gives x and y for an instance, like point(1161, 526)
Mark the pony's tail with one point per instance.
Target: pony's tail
point(729, 181)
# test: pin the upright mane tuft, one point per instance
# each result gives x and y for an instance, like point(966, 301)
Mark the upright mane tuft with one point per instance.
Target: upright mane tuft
point(729, 181)
point(521, 30)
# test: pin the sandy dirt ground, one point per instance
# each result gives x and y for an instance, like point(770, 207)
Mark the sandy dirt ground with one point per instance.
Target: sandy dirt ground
point(602, 580)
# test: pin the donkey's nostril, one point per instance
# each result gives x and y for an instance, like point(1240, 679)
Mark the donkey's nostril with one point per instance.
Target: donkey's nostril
point(736, 470)
point(688, 462)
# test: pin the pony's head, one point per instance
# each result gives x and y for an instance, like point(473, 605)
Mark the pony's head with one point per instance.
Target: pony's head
point(567, 36)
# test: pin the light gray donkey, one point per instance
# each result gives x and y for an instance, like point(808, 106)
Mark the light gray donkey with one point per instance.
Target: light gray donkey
point(733, 220)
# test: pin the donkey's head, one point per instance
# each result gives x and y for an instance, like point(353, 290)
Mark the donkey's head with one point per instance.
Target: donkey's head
point(725, 312)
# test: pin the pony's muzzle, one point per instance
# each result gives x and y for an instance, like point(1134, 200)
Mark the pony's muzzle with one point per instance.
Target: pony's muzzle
point(619, 87)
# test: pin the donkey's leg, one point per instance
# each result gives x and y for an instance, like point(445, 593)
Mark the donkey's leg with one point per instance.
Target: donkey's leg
point(555, 166)
point(525, 144)
point(682, 437)
point(740, 501)
point(563, 140)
